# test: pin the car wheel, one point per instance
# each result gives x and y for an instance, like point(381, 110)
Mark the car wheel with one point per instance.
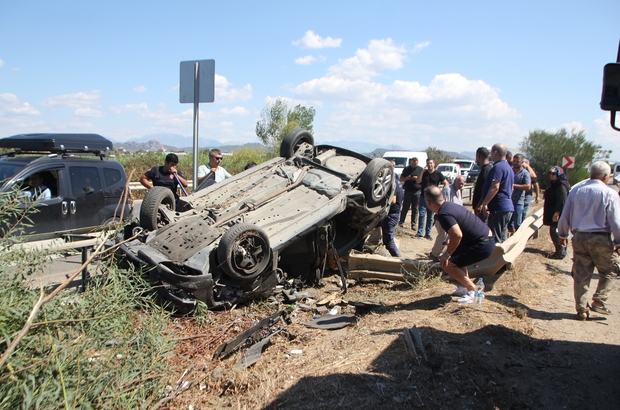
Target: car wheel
point(244, 251)
point(293, 140)
point(376, 180)
point(150, 215)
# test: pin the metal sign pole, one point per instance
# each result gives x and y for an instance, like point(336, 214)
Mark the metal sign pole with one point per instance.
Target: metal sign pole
point(196, 111)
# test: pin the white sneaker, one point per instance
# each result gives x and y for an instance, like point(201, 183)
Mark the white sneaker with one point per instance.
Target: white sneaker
point(460, 291)
point(468, 298)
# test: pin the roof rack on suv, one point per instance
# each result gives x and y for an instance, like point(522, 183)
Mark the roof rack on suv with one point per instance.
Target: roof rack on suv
point(56, 143)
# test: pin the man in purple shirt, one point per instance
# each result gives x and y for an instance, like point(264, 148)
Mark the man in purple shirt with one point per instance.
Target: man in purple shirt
point(592, 215)
point(497, 192)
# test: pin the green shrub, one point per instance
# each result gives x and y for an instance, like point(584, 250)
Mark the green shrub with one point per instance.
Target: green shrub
point(105, 348)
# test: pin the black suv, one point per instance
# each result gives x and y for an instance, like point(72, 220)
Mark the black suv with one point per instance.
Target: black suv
point(85, 190)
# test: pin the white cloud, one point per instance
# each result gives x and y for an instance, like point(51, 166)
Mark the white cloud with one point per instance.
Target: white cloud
point(237, 111)
point(88, 112)
point(139, 89)
point(448, 110)
point(225, 93)
point(1, 63)
point(77, 100)
point(119, 109)
point(10, 105)
point(419, 46)
point(367, 62)
point(306, 60)
point(312, 40)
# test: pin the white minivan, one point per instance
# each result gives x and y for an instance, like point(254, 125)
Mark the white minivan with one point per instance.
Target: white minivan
point(401, 158)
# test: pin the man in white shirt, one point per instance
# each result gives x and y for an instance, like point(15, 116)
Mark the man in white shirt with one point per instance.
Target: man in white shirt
point(212, 170)
point(592, 215)
point(37, 191)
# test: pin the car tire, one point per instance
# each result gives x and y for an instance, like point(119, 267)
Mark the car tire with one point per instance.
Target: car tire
point(150, 217)
point(244, 252)
point(376, 180)
point(293, 139)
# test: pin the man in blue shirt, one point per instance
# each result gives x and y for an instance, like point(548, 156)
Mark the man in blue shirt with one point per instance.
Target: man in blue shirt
point(522, 183)
point(497, 192)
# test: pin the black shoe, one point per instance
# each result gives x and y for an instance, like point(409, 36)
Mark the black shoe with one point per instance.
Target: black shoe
point(430, 238)
point(558, 256)
point(419, 236)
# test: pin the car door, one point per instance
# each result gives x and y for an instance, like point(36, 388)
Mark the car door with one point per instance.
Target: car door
point(85, 198)
point(46, 218)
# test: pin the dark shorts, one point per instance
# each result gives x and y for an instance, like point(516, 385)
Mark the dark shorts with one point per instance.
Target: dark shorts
point(473, 253)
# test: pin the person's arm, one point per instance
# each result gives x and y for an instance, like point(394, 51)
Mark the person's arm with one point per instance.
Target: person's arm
point(144, 180)
point(493, 190)
point(455, 235)
point(561, 195)
point(405, 176)
point(182, 179)
point(522, 187)
point(201, 175)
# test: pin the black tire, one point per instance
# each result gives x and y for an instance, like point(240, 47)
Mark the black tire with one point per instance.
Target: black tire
point(293, 139)
point(244, 252)
point(150, 216)
point(377, 180)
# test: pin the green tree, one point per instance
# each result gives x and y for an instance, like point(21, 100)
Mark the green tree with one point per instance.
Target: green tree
point(545, 150)
point(437, 155)
point(277, 118)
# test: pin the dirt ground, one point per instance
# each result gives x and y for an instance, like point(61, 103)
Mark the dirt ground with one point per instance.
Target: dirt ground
point(523, 350)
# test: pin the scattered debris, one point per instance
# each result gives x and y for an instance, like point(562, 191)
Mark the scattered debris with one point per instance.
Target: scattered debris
point(248, 336)
point(412, 335)
point(332, 322)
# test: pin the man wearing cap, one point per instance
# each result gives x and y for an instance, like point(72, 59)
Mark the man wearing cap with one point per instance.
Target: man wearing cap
point(592, 215)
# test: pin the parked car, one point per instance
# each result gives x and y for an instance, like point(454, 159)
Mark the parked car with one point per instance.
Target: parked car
point(466, 165)
point(85, 190)
point(450, 171)
point(472, 175)
point(275, 223)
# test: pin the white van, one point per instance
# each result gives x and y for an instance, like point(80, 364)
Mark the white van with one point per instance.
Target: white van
point(466, 165)
point(402, 159)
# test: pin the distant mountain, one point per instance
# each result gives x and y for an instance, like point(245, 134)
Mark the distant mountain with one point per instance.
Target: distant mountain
point(151, 145)
point(175, 140)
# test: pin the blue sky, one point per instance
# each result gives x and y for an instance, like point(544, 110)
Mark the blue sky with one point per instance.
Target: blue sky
point(408, 74)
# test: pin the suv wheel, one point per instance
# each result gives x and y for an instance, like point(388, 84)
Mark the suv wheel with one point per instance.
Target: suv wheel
point(151, 217)
point(376, 180)
point(244, 251)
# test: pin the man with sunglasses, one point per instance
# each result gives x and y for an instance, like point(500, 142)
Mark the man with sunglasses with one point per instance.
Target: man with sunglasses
point(213, 170)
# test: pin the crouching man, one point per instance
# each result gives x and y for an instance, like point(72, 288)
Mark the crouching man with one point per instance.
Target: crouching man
point(469, 240)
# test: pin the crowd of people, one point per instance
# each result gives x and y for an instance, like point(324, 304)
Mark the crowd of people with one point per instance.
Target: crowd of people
point(502, 195)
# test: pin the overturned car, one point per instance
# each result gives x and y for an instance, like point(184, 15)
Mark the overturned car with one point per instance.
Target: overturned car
point(238, 239)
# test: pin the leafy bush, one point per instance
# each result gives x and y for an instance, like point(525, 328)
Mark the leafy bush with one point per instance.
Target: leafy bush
point(105, 347)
